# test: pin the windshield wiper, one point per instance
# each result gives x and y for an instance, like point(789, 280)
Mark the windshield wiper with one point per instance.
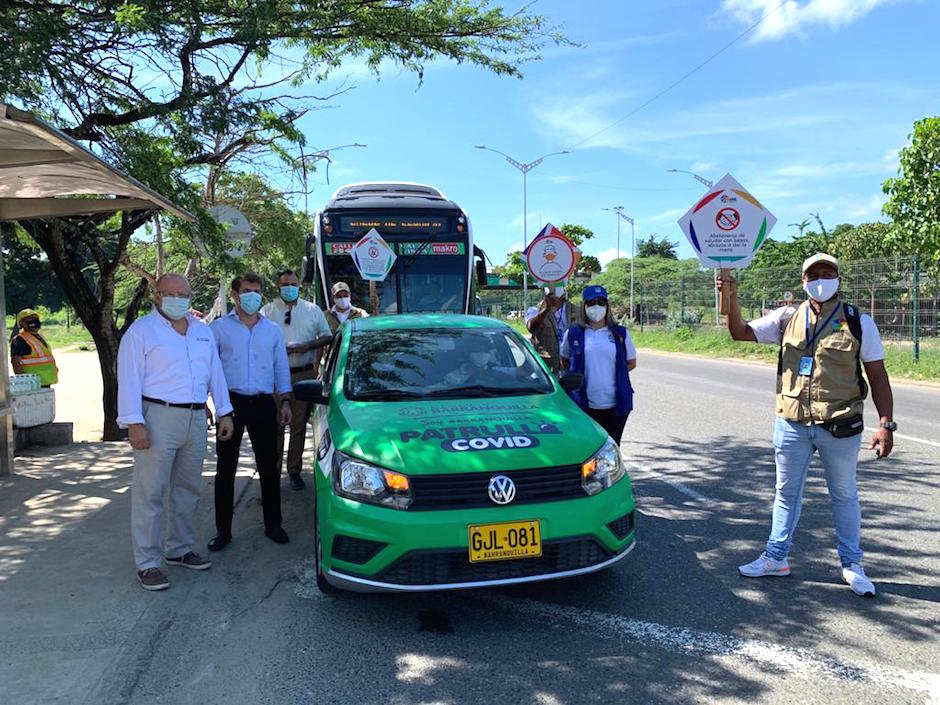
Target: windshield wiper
point(389, 394)
point(482, 390)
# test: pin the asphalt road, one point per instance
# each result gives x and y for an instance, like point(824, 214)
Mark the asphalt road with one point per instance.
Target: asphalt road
point(674, 623)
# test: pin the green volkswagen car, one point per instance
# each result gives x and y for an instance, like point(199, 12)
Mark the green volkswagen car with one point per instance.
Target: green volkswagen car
point(449, 457)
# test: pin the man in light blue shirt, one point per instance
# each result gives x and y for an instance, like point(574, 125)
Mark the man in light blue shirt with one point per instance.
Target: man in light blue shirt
point(254, 360)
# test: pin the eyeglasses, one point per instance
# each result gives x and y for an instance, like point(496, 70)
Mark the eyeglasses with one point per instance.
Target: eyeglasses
point(596, 302)
point(287, 317)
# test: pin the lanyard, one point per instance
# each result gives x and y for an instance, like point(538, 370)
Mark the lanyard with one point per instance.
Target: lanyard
point(818, 330)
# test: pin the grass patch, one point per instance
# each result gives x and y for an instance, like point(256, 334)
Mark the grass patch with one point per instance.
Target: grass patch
point(716, 342)
point(710, 341)
point(59, 336)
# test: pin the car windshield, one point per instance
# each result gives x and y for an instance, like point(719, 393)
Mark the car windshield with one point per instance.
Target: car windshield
point(441, 363)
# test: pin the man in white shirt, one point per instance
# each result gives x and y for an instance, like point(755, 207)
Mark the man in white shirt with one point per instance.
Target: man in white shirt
point(254, 360)
point(167, 366)
point(305, 332)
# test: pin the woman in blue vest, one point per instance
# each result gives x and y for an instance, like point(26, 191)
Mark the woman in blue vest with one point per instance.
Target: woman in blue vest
point(604, 353)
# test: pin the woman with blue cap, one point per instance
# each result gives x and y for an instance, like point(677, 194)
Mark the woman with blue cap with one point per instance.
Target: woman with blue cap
point(604, 353)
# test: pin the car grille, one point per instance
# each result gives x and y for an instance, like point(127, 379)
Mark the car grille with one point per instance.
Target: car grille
point(353, 550)
point(469, 490)
point(440, 567)
point(622, 527)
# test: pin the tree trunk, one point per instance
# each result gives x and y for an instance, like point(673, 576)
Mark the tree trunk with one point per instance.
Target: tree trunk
point(73, 248)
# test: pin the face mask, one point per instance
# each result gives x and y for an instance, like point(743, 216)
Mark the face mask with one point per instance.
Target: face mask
point(290, 292)
point(341, 302)
point(174, 307)
point(596, 313)
point(250, 302)
point(479, 359)
point(33, 325)
point(821, 289)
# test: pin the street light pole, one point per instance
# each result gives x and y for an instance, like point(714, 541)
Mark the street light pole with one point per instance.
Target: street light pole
point(525, 168)
point(619, 211)
point(708, 184)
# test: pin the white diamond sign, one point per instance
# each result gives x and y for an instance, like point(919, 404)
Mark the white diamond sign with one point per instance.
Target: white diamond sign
point(727, 225)
point(373, 257)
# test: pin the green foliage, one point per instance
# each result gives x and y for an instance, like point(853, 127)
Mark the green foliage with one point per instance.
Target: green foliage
point(914, 195)
point(648, 271)
point(590, 264)
point(576, 233)
point(651, 247)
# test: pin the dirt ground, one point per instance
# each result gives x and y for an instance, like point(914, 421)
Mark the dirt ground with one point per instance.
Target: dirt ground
point(78, 393)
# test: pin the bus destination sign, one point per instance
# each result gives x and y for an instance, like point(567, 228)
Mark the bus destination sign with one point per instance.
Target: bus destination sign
point(394, 224)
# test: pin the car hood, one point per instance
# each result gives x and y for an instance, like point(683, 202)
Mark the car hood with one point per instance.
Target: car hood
point(466, 435)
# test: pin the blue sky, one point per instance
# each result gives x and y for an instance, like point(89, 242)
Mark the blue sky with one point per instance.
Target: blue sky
point(808, 113)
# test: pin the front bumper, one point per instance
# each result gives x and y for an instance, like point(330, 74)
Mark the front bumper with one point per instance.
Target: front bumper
point(412, 551)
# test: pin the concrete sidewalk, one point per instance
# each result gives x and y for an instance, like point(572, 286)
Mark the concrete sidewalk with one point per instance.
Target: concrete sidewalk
point(75, 626)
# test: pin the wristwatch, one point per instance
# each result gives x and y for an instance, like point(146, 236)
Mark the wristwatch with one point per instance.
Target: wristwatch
point(890, 425)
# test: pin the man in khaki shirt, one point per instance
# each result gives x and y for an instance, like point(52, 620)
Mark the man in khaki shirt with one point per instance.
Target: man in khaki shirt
point(305, 331)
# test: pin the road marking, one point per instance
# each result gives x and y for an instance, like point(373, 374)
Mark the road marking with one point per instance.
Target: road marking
point(761, 654)
point(909, 438)
point(675, 484)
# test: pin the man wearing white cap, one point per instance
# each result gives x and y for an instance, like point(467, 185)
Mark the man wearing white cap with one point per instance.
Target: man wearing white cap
point(548, 322)
point(824, 344)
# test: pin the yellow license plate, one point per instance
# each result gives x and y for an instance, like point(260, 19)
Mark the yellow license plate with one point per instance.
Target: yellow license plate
point(505, 541)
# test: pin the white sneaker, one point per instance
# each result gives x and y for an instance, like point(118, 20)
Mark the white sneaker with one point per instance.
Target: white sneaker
point(764, 565)
point(854, 576)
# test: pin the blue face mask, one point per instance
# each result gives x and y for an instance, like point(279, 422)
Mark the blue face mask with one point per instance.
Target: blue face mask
point(250, 302)
point(290, 292)
point(174, 307)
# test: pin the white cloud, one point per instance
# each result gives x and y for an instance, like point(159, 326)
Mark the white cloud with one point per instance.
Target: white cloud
point(666, 216)
point(699, 167)
point(584, 120)
point(794, 16)
point(607, 256)
point(516, 247)
point(823, 170)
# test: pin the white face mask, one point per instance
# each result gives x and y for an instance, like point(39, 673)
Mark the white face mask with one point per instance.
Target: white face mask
point(596, 313)
point(341, 302)
point(821, 289)
point(479, 359)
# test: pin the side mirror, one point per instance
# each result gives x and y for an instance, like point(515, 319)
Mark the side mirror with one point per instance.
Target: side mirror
point(570, 381)
point(310, 390)
point(481, 273)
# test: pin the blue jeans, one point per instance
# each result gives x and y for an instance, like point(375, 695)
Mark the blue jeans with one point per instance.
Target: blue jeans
point(794, 444)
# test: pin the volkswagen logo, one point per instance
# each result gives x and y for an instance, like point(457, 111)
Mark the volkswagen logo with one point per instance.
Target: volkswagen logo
point(501, 489)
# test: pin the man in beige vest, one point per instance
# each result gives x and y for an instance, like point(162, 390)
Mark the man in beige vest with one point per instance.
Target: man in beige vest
point(824, 343)
point(548, 322)
point(342, 307)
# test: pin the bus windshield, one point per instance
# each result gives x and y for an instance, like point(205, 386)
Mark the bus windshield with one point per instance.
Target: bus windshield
point(433, 283)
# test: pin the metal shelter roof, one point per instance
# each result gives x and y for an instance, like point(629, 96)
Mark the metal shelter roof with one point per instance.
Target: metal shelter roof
point(44, 173)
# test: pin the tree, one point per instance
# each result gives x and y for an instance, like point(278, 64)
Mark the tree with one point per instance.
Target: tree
point(914, 195)
point(576, 233)
point(651, 247)
point(174, 91)
point(589, 264)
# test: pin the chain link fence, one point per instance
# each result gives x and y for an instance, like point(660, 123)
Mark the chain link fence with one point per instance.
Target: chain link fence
point(904, 303)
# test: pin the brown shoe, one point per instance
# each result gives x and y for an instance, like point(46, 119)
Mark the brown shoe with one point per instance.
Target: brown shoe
point(190, 560)
point(152, 579)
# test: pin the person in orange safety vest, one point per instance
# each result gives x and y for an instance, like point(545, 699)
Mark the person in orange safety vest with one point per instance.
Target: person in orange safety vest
point(30, 352)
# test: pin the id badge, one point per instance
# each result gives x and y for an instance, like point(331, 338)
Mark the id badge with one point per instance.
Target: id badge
point(806, 366)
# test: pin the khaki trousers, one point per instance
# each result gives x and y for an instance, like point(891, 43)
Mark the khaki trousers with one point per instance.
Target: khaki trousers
point(167, 481)
point(298, 428)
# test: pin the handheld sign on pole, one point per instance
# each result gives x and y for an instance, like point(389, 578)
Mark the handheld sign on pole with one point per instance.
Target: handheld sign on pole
point(550, 257)
point(374, 259)
point(726, 227)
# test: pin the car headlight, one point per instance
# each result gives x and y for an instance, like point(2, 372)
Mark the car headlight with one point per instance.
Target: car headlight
point(364, 482)
point(602, 469)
